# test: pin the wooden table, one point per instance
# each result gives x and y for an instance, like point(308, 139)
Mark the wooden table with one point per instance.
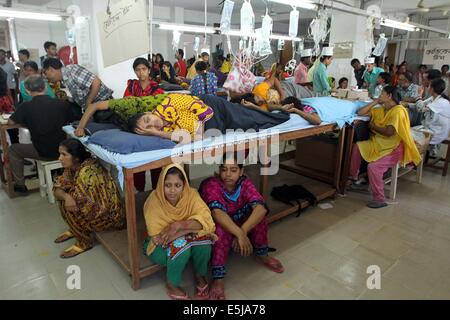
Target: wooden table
point(126, 246)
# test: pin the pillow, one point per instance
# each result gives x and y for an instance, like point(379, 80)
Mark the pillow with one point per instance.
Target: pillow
point(170, 87)
point(93, 127)
point(125, 142)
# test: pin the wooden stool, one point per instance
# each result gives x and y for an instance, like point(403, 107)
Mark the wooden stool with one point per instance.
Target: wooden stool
point(45, 169)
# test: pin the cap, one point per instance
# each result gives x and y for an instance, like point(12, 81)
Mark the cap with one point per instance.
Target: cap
point(306, 53)
point(327, 51)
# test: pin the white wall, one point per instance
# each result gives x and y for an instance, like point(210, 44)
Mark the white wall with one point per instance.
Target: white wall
point(344, 28)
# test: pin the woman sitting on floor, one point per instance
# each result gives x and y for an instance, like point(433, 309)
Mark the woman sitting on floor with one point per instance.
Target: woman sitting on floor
point(162, 115)
point(239, 212)
point(390, 142)
point(180, 227)
point(89, 200)
point(142, 86)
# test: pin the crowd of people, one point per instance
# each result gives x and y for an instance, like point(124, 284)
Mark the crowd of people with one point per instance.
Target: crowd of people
point(227, 212)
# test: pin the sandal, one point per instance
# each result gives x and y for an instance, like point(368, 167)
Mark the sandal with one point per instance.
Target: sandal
point(273, 264)
point(202, 293)
point(174, 296)
point(217, 294)
point(72, 251)
point(64, 237)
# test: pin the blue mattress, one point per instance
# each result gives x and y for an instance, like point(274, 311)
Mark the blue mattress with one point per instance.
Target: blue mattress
point(137, 159)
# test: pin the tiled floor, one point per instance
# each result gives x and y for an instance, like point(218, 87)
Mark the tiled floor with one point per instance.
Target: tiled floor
point(325, 252)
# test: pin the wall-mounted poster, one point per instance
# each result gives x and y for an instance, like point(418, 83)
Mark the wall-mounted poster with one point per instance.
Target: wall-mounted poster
point(124, 32)
point(343, 50)
point(437, 53)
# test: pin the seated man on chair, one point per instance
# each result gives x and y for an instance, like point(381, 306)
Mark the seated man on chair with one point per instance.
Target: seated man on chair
point(44, 117)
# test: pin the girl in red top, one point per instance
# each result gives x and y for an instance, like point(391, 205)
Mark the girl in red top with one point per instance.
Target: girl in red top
point(142, 87)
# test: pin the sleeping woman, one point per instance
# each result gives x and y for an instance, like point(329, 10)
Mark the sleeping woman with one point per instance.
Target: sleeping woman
point(163, 115)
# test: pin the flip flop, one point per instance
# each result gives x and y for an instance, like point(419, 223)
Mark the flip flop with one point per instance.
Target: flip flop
point(217, 294)
point(174, 296)
point(64, 237)
point(202, 293)
point(273, 264)
point(76, 251)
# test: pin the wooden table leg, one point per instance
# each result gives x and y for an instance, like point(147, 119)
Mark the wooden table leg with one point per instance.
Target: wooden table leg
point(339, 159)
point(9, 177)
point(265, 165)
point(346, 158)
point(133, 246)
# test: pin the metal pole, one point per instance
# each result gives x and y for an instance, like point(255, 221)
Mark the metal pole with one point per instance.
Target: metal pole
point(150, 27)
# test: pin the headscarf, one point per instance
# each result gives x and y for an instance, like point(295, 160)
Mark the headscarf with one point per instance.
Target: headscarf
point(159, 213)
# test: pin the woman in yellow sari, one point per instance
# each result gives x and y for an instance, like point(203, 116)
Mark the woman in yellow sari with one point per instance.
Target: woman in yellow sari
point(180, 227)
point(89, 200)
point(390, 142)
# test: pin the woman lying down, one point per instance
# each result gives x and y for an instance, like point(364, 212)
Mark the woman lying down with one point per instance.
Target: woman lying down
point(163, 115)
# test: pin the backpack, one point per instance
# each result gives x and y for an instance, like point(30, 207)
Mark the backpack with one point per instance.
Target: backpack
point(288, 194)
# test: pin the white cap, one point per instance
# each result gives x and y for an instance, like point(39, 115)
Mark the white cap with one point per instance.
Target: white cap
point(369, 60)
point(327, 51)
point(306, 53)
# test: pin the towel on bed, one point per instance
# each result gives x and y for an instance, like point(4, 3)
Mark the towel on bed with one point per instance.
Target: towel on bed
point(335, 110)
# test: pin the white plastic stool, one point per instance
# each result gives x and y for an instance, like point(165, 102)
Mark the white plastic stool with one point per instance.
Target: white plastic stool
point(45, 169)
point(393, 179)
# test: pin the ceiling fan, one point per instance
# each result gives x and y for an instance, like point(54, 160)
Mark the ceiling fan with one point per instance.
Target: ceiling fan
point(422, 8)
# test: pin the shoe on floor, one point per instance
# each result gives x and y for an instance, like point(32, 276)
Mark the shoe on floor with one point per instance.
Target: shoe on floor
point(21, 191)
point(376, 204)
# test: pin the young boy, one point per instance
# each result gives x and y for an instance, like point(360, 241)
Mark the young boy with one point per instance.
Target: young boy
point(383, 80)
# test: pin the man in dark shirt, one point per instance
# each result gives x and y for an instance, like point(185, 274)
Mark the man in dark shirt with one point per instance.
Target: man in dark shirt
point(359, 72)
point(44, 117)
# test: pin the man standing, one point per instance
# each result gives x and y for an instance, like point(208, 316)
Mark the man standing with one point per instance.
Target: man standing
point(10, 71)
point(371, 75)
point(50, 52)
point(359, 72)
point(84, 86)
point(301, 72)
point(180, 65)
point(44, 117)
point(24, 56)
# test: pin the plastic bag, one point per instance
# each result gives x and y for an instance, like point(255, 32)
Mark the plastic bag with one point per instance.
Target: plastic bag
point(247, 18)
point(176, 39)
point(266, 31)
point(381, 45)
point(293, 23)
point(241, 79)
point(225, 22)
point(196, 44)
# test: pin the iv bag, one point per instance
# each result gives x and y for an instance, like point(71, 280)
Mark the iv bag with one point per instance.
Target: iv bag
point(225, 22)
point(247, 18)
point(196, 44)
point(300, 47)
point(381, 45)
point(267, 26)
point(293, 23)
point(176, 39)
point(280, 45)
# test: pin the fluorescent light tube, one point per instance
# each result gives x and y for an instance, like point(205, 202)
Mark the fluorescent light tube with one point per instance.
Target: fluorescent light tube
point(29, 15)
point(398, 25)
point(185, 28)
point(238, 33)
point(305, 4)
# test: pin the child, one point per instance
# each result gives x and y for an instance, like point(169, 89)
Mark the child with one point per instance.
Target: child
point(343, 83)
point(239, 212)
point(383, 80)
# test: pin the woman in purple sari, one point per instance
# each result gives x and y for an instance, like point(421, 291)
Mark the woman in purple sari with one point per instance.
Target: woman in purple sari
point(239, 212)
